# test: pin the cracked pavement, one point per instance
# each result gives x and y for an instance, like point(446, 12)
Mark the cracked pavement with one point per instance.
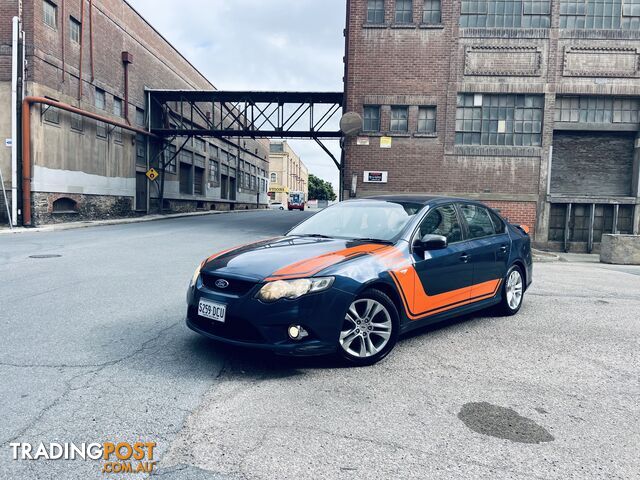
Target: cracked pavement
point(95, 349)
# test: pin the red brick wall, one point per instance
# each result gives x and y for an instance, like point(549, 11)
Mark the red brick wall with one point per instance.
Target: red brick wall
point(520, 213)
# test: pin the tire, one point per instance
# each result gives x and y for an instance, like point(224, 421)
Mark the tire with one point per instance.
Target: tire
point(359, 347)
point(512, 292)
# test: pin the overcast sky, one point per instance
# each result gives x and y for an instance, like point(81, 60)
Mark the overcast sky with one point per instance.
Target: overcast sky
point(260, 45)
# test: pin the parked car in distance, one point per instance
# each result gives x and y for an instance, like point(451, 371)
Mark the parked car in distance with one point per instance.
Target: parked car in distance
point(358, 274)
point(276, 206)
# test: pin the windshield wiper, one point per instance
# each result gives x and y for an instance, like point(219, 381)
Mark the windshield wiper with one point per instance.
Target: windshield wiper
point(313, 235)
point(373, 240)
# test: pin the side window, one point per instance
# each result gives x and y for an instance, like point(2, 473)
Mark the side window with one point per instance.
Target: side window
point(498, 223)
point(442, 221)
point(478, 221)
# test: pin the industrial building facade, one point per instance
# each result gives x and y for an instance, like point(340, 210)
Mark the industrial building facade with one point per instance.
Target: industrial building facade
point(101, 56)
point(529, 105)
point(287, 173)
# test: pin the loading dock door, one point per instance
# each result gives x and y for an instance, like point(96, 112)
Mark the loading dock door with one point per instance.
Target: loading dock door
point(592, 163)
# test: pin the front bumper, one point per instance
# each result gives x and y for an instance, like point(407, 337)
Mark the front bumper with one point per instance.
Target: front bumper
point(252, 323)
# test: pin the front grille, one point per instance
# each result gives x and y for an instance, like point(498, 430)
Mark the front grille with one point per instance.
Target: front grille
point(235, 287)
point(233, 328)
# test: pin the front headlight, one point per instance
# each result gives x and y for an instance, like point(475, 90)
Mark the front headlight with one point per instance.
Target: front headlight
point(292, 289)
point(196, 274)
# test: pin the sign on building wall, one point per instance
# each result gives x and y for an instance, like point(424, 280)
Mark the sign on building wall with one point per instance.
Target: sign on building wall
point(385, 142)
point(363, 141)
point(375, 177)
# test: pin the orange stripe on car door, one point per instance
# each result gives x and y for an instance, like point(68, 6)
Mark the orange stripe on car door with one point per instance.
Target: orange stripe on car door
point(418, 304)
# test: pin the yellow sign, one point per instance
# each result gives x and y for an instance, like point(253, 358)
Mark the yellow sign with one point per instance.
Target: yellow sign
point(152, 174)
point(274, 188)
point(385, 142)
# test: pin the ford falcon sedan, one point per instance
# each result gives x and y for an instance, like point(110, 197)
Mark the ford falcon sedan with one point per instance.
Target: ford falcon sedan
point(354, 277)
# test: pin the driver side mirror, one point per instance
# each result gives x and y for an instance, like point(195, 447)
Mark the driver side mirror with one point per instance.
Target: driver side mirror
point(431, 242)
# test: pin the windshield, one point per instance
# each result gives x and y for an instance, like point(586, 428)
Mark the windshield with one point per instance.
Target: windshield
point(376, 220)
point(295, 198)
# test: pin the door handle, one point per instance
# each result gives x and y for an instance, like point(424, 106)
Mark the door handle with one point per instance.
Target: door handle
point(464, 258)
point(502, 249)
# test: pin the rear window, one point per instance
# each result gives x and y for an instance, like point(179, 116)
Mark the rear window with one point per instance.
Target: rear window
point(478, 221)
point(498, 223)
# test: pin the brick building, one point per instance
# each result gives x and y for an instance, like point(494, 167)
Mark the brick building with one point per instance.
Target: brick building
point(287, 172)
point(529, 105)
point(76, 53)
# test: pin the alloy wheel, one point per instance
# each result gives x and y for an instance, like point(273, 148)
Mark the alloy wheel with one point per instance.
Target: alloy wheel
point(366, 328)
point(514, 289)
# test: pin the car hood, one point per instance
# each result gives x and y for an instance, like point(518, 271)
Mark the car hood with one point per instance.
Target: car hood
point(286, 257)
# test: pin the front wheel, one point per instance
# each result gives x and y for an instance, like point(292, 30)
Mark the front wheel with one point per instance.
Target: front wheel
point(369, 330)
point(512, 292)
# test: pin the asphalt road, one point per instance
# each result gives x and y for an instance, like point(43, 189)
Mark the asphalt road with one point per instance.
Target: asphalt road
point(94, 348)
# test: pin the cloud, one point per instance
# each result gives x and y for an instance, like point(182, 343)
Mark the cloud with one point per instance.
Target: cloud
point(260, 45)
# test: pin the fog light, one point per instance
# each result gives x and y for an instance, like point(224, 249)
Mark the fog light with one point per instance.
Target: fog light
point(297, 332)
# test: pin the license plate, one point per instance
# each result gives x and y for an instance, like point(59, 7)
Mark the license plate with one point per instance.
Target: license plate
point(212, 310)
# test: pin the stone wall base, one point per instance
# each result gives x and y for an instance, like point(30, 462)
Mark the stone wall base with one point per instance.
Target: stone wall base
point(104, 207)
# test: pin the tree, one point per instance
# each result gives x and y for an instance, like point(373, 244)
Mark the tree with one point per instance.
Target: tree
point(319, 189)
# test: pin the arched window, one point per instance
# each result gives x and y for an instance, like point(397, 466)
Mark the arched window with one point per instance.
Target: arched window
point(274, 177)
point(65, 205)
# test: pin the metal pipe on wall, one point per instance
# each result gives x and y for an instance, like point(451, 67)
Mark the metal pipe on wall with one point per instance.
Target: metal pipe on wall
point(26, 142)
point(91, 39)
point(63, 41)
point(81, 49)
point(14, 120)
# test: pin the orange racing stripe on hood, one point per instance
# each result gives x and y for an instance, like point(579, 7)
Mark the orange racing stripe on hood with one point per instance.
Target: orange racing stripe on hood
point(311, 266)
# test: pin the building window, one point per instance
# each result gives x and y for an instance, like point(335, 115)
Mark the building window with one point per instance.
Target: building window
point(600, 14)
point(141, 150)
point(75, 30)
point(371, 119)
point(375, 11)
point(431, 14)
point(170, 154)
point(51, 114)
point(399, 119)
point(273, 177)
point(186, 182)
point(200, 144)
point(101, 99)
point(50, 14)
point(513, 120)
point(214, 171)
point(213, 151)
point(404, 11)
point(590, 109)
point(117, 111)
point(77, 122)
point(427, 120)
point(198, 179)
point(140, 117)
point(276, 147)
point(505, 13)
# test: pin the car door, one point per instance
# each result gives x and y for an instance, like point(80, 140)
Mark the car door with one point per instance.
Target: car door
point(488, 249)
point(445, 275)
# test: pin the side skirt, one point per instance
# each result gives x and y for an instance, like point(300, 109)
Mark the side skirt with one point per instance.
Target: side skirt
point(409, 325)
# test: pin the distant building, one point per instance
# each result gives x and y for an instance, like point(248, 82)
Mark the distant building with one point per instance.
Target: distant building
point(77, 53)
point(287, 172)
point(530, 106)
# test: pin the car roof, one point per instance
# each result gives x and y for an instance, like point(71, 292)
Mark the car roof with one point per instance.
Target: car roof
point(420, 199)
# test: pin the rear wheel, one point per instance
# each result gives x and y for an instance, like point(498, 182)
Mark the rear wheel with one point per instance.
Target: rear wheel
point(369, 329)
point(512, 292)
